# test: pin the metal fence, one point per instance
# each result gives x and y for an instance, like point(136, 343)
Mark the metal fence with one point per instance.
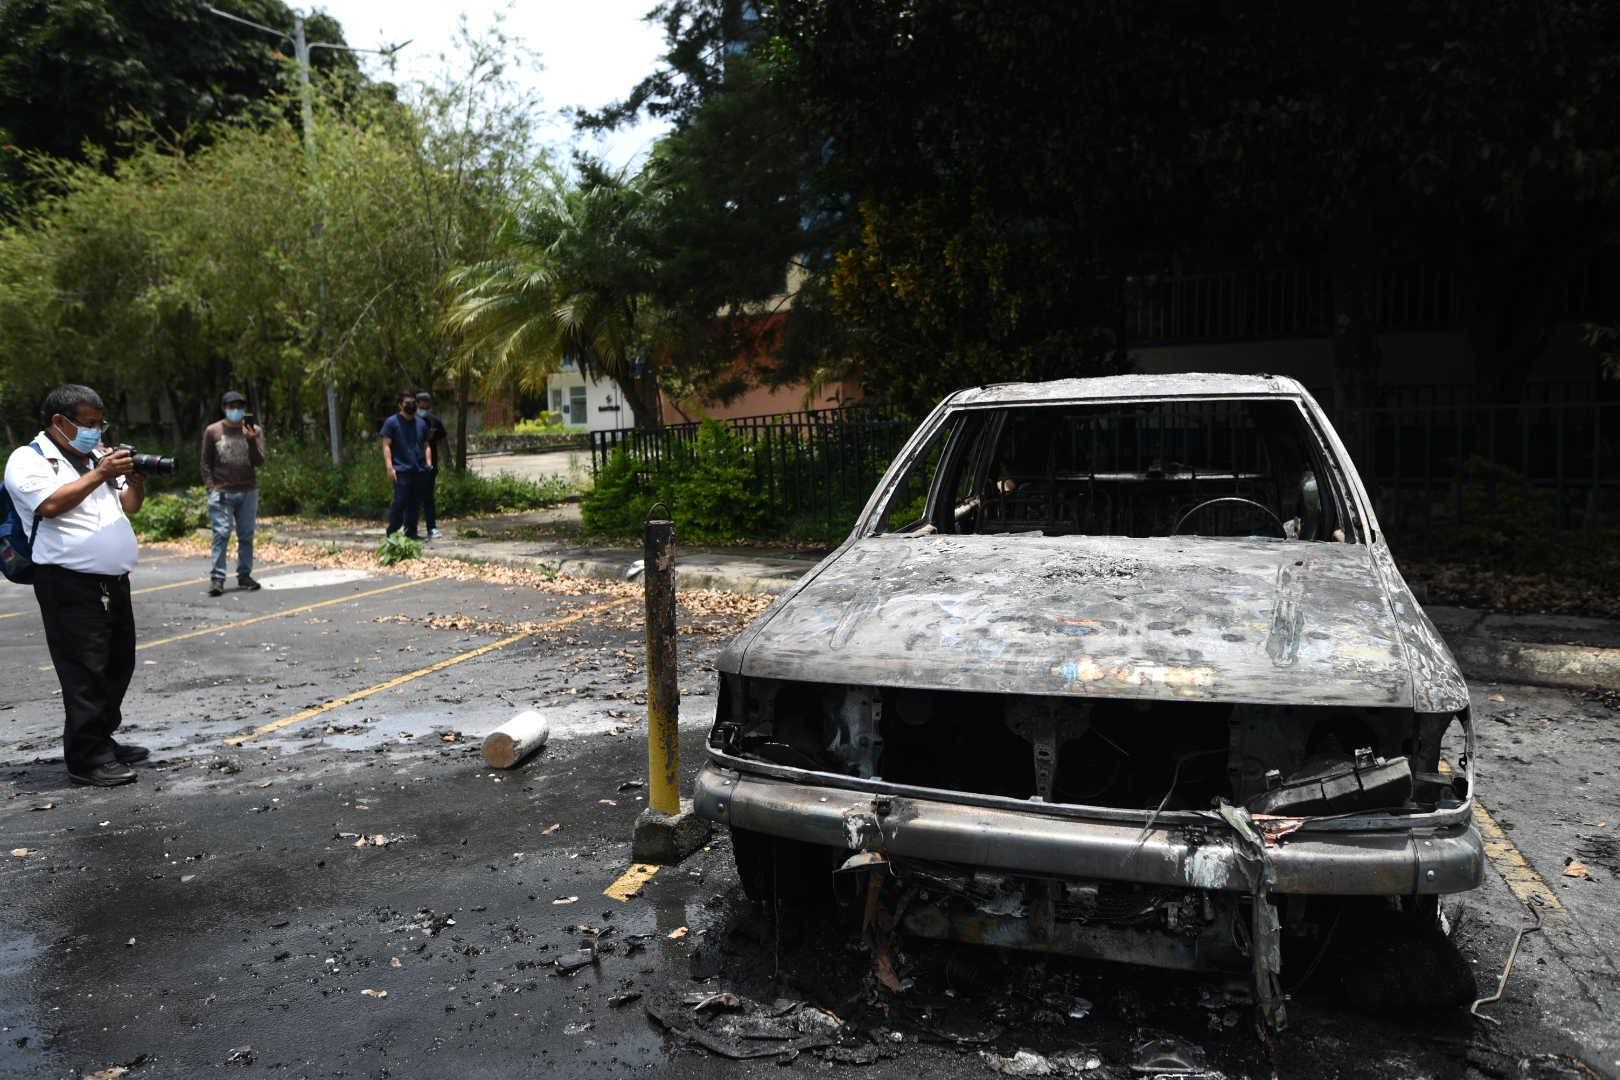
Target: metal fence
point(1432, 464)
point(1464, 464)
point(817, 468)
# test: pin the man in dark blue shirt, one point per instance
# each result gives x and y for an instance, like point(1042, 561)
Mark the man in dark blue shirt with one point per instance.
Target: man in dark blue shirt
point(409, 455)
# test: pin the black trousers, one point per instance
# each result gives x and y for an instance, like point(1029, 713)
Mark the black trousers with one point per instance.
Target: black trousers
point(409, 489)
point(93, 648)
point(430, 506)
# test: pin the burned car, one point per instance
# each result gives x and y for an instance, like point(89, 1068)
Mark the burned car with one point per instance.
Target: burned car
point(1118, 668)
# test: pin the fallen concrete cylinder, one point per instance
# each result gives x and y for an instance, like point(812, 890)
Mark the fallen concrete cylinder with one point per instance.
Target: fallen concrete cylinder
point(516, 739)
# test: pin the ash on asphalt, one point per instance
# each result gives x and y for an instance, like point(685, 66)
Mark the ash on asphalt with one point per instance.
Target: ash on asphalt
point(356, 895)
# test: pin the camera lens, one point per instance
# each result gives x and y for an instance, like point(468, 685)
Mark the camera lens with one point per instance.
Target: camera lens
point(153, 465)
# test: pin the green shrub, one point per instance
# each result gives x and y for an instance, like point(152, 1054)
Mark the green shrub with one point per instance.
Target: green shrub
point(165, 517)
point(547, 423)
point(617, 505)
point(460, 494)
point(304, 482)
point(716, 495)
point(398, 547)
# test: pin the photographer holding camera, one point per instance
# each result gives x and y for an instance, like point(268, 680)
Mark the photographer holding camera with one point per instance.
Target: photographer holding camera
point(83, 551)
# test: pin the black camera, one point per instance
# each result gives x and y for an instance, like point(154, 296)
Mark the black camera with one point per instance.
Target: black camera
point(149, 464)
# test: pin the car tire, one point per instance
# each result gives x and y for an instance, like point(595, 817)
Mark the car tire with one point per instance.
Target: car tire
point(785, 874)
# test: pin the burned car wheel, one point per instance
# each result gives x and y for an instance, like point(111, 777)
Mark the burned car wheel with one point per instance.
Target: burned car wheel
point(1059, 687)
point(785, 874)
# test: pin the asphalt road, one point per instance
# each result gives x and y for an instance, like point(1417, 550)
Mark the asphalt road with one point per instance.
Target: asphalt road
point(346, 891)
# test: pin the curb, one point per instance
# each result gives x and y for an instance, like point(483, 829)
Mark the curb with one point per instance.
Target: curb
point(1570, 667)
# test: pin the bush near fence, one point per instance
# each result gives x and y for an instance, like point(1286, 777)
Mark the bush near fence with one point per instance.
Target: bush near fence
point(305, 482)
point(801, 476)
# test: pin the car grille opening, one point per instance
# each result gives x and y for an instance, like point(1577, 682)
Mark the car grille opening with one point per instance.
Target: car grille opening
point(1147, 755)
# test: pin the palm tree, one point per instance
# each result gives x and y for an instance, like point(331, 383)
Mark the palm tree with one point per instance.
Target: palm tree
point(572, 277)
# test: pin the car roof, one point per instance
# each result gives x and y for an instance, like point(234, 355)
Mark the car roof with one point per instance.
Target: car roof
point(1127, 387)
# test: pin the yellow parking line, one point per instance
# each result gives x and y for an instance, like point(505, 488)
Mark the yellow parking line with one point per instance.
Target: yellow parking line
point(132, 592)
point(347, 699)
point(1510, 862)
point(282, 614)
point(1521, 878)
point(631, 881)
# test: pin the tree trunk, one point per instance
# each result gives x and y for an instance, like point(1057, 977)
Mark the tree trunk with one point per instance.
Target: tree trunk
point(631, 389)
point(463, 411)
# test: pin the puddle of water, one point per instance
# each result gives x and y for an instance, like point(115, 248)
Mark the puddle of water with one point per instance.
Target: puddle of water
point(17, 952)
point(312, 579)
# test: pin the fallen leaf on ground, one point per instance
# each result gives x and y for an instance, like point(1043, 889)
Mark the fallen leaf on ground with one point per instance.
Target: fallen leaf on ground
point(678, 933)
point(1498, 698)
point(43, 806)
point(1576, 869)
point(368, 992)
point(552, 829)
point(108, 1074)
point(564, 900)
point(21, 852)
point(607, 802)
point(393, 961)
point(264, 783)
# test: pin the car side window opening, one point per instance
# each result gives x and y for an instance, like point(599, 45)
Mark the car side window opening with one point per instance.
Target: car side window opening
point(1227, 467)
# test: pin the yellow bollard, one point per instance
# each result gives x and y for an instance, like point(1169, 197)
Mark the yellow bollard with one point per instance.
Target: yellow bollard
point(663, 687)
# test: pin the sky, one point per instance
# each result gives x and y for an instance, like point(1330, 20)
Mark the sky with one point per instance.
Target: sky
point(591, 52)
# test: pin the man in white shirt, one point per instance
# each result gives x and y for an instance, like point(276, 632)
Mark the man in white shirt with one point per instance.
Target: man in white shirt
point(83, 553)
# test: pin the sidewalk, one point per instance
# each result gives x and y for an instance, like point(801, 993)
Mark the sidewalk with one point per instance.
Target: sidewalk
point(1538, 650)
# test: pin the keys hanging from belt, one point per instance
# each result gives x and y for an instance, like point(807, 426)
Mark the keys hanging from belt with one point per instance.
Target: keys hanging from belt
point(106, 598)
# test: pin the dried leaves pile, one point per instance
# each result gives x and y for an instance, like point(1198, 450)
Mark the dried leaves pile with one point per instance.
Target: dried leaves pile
point(702, 611)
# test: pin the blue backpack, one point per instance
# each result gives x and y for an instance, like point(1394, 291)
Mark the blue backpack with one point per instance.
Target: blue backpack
point(16, 550)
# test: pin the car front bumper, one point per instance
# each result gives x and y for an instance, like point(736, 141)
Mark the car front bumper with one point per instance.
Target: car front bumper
point(1398, 861)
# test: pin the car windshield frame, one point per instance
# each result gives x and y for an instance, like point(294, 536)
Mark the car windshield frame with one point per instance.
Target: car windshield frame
point(947, 427)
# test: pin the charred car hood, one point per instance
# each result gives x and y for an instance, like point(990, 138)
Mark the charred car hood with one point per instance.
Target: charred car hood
point(1181, 617)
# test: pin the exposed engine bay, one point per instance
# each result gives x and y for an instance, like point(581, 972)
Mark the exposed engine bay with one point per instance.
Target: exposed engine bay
point(1295, 761)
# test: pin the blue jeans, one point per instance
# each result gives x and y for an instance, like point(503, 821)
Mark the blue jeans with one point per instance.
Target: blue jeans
point(227, 508)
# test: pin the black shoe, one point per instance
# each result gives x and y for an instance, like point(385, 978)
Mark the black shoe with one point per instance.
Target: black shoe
point(216, 587)
point(417, 538)
point(245, 581)
point(129, 753)
point(107, 774)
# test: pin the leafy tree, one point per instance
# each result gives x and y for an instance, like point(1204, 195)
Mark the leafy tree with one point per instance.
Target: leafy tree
point(101, 73)
point(572, 277)
point(988, 185)
point(177, 271)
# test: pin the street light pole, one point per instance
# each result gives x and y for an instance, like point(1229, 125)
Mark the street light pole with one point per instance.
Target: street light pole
point(306, 109)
